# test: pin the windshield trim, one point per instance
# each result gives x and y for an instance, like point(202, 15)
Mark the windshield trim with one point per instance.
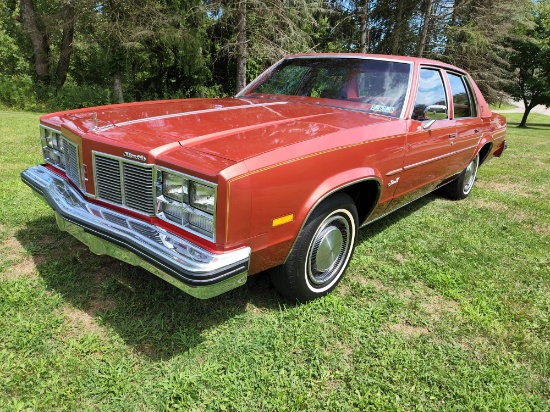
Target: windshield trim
point(252, 85)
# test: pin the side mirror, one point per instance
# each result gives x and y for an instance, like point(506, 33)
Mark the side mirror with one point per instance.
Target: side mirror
point(428, 124)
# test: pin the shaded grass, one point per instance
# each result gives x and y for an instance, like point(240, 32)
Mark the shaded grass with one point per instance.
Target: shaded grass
point(445, 306)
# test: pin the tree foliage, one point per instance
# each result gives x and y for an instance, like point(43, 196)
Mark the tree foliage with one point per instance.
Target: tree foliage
point(249, 35)
point(52, 50)
point(529, 57)
point(476, 36)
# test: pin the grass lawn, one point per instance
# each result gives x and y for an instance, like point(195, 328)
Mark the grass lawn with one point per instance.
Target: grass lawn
point(446, 306)
point(502, 106)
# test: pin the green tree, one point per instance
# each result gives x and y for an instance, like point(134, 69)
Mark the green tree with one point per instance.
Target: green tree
point(379, 26)
point(529, 57)
point(143, 49)
point(12, 55)
point(49, 27)
point(249, 35)
point(475, 39)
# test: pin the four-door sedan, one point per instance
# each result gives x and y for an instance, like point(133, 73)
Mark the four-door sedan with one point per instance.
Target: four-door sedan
point(204, 192)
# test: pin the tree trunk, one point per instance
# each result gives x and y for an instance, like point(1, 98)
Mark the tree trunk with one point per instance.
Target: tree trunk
point(523, 122)
point(397, 27)
point(39, 40)
point(364, 27)
point(424, 35)
point(528, 107)
point(241, 47)
point(118, 95)
point(66, 45)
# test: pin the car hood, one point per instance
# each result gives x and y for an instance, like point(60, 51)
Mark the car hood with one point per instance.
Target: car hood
point(231, 128)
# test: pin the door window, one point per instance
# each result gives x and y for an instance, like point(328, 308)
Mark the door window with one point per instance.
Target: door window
point(431, 100)
point(461, 97)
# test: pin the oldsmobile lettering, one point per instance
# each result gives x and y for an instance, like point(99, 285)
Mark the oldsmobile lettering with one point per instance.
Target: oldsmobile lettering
point(132, 156)
point(280, 177)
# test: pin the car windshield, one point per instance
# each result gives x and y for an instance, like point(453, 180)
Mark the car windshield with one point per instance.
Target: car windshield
point(376, 86)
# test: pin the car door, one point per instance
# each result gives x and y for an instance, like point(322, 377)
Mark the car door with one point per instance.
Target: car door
point(468, 123)
point(429, 140)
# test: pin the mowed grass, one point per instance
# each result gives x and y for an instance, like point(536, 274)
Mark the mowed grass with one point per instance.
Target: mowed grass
point(502, 106)
point(446, 306)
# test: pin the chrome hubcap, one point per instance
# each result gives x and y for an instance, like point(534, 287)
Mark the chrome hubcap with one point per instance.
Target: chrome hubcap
point(470, 175)
point(329, 249)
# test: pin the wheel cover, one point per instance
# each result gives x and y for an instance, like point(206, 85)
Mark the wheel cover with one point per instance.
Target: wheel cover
point(470, 175)
point(329, 250)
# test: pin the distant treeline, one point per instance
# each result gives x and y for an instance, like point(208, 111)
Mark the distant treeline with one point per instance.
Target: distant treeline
point(57, 54)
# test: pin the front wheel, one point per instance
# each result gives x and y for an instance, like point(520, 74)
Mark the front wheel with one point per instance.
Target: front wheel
point(321, 253)
point(461, 187)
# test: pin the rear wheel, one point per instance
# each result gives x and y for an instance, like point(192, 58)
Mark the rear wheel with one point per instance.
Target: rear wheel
point(461, 187)
point(321, 252)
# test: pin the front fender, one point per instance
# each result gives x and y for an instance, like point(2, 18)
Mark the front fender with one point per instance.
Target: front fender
point(336, 183)
point(280, 238)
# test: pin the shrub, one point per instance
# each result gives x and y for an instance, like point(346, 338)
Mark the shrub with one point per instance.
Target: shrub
point(74, 96)
point(18, 92)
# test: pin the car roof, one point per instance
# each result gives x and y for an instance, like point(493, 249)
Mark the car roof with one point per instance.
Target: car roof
point(415, 60)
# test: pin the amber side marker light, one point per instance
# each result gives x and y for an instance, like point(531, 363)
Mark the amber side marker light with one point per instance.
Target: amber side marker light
point(282, 220)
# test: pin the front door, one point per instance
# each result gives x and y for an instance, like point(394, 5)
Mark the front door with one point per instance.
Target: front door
point(429, 142)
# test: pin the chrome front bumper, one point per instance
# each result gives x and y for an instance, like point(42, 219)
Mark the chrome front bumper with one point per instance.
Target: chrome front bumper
point(194, 270)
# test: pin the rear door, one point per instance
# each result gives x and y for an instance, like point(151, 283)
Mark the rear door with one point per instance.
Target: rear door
point(468, 122)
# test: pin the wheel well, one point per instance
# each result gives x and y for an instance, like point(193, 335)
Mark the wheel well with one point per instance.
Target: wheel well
point(365, 195)
point(484, 152)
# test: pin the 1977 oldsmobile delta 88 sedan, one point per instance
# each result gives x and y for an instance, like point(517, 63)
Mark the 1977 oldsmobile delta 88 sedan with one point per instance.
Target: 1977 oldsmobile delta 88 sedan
point(204, 192)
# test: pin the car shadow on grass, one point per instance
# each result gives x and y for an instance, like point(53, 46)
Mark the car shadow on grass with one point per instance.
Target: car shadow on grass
point(157, 319)
point(384, 223)
point(149, 314)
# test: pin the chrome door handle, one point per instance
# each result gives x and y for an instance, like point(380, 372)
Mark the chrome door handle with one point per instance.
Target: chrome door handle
point(452, 136)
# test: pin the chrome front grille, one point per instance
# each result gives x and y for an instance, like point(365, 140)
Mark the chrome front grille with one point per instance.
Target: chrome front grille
point(107, 179)
point(71, 161)
point(138, 187)
point(124, 183)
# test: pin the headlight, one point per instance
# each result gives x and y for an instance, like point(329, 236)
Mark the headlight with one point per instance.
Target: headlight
point(202, 197)
point(60, 143)
point(48, 135)
point(53, 146)
point(53, 139)
point(187, 202)
point(175, 187)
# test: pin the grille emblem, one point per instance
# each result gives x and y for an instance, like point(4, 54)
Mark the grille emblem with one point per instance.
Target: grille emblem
point(132, 156)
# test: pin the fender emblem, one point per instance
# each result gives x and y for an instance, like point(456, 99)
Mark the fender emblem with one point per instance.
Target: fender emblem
point(392, 182)
point(132, 156)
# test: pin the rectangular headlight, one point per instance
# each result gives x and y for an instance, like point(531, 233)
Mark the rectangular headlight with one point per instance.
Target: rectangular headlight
point(175, 187)
point(202, 197)
point(186, 201)
point(53, 146)
point(53, 139)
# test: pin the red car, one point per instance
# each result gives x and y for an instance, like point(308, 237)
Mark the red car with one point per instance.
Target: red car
point(204, 192)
